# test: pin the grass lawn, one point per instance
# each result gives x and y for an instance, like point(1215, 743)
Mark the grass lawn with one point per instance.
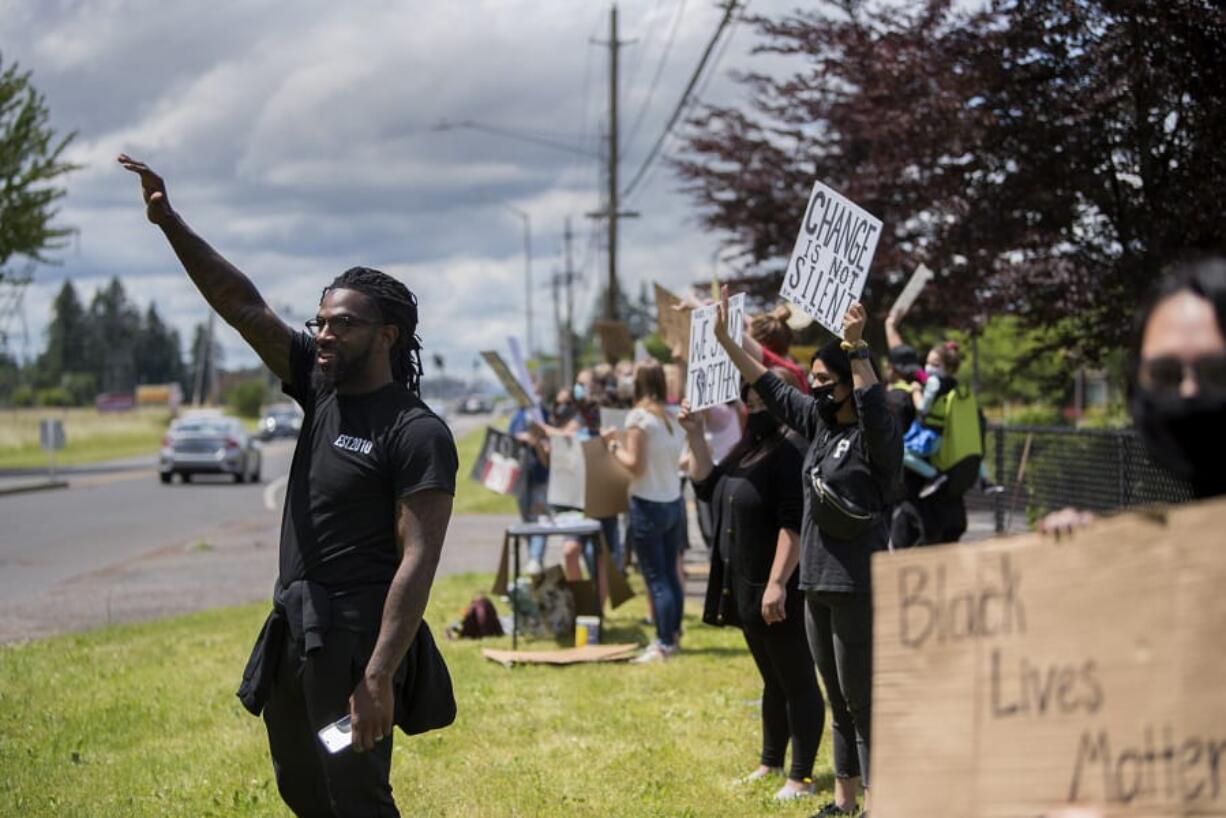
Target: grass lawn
point(471, 497)
point(92, 436)
point(142, 720)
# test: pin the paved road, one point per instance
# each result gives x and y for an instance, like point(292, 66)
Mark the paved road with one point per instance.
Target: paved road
point(119, 546)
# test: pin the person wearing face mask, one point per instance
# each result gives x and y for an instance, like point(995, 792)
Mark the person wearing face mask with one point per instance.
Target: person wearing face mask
point(1178, 383)
point(852, 472)
point(755, 495)
point(1179, 398)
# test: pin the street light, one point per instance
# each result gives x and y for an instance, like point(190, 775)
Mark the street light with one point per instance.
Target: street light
point(527, 220)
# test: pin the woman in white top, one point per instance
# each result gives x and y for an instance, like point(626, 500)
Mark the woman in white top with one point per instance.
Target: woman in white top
point(651, 452)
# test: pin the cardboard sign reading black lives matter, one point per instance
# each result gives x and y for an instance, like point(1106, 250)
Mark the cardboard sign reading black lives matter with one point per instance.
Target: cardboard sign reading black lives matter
point(712, 379)
point(1021, 677)
point(830, 261)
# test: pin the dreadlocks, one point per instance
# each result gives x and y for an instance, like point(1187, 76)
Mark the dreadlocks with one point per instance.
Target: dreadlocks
point(397, 305)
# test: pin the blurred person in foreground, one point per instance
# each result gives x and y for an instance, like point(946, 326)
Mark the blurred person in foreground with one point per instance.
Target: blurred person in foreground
point(755, 495)
point(366, 510)
point(852, 474)
point(1178, 382)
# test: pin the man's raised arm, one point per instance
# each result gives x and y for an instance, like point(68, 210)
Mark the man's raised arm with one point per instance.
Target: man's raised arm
point(222, 284)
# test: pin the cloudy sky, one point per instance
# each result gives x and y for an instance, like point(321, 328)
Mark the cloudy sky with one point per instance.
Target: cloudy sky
point(299, 139)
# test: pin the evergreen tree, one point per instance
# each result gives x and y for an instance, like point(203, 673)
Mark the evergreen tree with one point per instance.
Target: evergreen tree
point(116, 324)
point(157, 352)
point(69, 339)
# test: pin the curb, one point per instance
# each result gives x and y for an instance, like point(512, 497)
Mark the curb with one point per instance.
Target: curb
point(24, 488)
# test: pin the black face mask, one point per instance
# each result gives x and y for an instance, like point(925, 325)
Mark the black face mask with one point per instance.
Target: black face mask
point(760, 425)
point(1186, 435)
point(827, 406)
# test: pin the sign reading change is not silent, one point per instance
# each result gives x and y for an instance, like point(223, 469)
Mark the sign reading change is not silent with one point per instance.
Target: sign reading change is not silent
point(711, 378)
point(831, 258)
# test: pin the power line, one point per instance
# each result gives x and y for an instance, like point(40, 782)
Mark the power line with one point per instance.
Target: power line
point(445, 125)
point(729, 9)
point(655, 80)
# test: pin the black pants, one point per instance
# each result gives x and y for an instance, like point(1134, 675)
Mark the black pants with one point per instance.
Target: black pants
point(840, 627)
point(792, 705)
point(309, 692)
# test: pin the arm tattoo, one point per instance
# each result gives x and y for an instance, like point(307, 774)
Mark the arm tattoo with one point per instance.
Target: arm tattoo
point(233, 295)
point(421, 526)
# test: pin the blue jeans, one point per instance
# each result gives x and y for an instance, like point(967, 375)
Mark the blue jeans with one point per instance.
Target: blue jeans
point(532, 504)
point(657, 529)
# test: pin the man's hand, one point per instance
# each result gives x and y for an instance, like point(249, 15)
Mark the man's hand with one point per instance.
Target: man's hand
point(773, 600)
point(371, 710)
point(153, 189)
point(853, 323)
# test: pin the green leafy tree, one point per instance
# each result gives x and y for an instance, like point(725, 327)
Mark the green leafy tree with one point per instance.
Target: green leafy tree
point(31, 162)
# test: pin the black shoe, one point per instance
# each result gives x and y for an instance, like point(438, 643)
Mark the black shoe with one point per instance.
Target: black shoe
point(830, 810)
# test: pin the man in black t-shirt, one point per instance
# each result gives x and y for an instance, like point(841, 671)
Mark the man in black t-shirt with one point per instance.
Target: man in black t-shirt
point(366, 510)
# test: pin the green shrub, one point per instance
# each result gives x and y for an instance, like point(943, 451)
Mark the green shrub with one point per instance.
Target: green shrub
point(246, 398)
point(1035, 414)
point(54, 396)
point(80, 386)
point(23, 396)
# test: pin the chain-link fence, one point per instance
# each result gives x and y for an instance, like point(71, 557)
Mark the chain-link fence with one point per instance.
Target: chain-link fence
point(1043, 469)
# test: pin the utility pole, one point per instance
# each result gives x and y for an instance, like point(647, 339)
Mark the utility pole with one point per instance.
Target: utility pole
point(612, 213)
point(527, 220)
point(568, 355)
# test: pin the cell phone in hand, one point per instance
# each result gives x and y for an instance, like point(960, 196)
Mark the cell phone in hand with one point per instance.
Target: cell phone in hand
point(338, 735)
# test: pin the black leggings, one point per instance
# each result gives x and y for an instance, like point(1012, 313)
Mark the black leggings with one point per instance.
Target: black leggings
point(792, 705)
point(840, 627)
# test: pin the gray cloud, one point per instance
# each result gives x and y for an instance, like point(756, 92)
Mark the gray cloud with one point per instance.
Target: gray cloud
point(299, 140)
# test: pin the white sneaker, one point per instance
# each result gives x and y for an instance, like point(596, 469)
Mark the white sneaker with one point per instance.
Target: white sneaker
point(534, 567)
point(654, 653)
point(787, 793)
point(759, 774)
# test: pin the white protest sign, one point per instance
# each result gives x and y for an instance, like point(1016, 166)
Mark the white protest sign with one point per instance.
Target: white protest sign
point(711, 378)
point(567, 472)
point(911, 291)
point(830, 261)
point(519, 368)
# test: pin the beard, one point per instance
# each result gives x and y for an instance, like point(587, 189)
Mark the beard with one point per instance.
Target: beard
point(340, 371)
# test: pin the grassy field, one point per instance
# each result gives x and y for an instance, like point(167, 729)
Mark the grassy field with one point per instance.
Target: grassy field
point(91, 435)
point(471, 497)
point(142, 720)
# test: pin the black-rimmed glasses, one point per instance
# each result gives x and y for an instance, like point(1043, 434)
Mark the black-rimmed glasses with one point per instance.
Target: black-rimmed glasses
point(340, 324)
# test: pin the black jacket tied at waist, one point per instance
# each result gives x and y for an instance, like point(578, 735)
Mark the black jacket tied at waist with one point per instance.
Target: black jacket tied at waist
point(305, 611)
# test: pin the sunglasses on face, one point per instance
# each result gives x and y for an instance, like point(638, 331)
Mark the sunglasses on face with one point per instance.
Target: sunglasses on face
point(1166, 374)
point(340, 324)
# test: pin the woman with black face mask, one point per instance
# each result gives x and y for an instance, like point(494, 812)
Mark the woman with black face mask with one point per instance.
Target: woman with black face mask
point(1179, 383)
point(755, 498)
point(852, 473)
point(1179, 398)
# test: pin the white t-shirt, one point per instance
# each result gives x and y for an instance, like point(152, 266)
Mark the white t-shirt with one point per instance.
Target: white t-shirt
point(659, 481)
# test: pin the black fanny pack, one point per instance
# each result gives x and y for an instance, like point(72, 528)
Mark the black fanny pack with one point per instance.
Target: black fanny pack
point(834, 514)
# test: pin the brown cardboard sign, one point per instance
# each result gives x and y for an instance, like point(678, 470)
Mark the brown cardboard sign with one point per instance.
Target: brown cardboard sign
point(1019, 677)
point(615, 340)
point(582, 474)
point(563, 656)
point(514, 388)
point(674, 326)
